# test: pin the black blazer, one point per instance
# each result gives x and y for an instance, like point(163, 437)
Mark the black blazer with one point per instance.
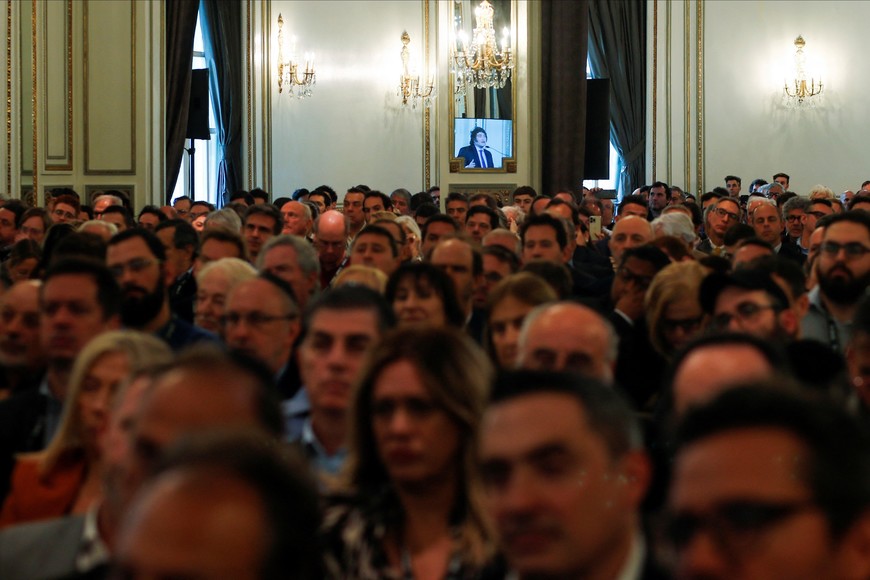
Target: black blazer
point(469, 153)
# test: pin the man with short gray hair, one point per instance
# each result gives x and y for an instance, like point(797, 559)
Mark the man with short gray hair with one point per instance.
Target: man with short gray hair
point(294, 260)
point(566, 336)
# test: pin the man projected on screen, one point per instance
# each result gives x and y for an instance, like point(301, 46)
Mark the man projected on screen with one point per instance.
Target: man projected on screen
point(475, 153)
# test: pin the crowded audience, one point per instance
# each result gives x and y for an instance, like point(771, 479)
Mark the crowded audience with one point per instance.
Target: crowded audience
point(557, 384)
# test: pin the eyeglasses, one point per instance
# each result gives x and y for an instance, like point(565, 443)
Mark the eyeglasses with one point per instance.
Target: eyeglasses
point(253, 319)
point(135, 266)
point(686, 324)
point(629, 276)
point(64, 214)
point(735, 526)
point(854, 250)
point(793, 218)
point(817, 214)
point(745, 311)
point(725, 213)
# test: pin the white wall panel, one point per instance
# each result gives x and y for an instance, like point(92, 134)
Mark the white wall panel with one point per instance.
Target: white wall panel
point(353, 129)
point(746, 53)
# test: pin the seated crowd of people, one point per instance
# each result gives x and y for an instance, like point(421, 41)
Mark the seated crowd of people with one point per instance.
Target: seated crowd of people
point(545, 386)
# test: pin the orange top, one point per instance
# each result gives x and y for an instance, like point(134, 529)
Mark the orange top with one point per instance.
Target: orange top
point(36, 497)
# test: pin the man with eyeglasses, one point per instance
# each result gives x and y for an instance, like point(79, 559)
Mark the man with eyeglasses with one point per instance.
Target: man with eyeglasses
point(261, 320)
point(66, 209)
point(843, 272)
point(816, 210)
point(103, 201)
point(795, 212)
point(749, 301)
point(636, 361)
point(137, 260)
point(769, 483)
point(182, 205)
point(718, 217)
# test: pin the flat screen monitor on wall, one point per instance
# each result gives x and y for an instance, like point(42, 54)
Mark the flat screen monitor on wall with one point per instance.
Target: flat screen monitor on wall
point(483, 143)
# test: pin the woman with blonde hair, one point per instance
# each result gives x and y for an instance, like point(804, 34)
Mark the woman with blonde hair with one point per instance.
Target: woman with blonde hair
point(508, 304)
point(65, 478)
point(673, 311)
point(411, 503)
point(413, 236)
point(362, 276)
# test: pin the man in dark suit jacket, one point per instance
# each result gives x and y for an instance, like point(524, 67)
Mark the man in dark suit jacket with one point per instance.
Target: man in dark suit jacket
point(475, 153)
point(591, 511)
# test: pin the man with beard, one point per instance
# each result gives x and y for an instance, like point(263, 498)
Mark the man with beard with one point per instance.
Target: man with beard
point(843, 271)
point(137, 260)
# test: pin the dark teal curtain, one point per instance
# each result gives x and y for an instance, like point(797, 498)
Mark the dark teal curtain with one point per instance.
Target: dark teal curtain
point(180, 28)
point(222, 38)
point(617, 50)
point(563, 90)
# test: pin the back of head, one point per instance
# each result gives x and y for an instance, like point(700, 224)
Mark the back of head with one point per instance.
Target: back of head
point(232, 376)
point(279, 479)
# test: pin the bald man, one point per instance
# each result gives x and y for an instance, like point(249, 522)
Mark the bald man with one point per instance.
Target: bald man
point(567, 336)
point(330, 240)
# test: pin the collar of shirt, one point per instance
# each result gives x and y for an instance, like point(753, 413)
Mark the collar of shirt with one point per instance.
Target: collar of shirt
point(53, 410)
point(322, 460)
point(295, 411)
point(92, 550)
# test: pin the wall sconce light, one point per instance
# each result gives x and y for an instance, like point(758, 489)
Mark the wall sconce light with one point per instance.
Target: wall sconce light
point(410, 87)
point(481, 64)
point(801, 95)
point(288, 71)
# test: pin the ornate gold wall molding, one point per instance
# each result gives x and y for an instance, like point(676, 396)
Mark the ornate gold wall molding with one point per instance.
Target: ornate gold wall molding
point(700, 96)
point(65, 160)
point(87, 66)
point(427, 160)
point(677, 103)
point(655, 81)
point(35, 99)
point(248, 66)
point(9, 95)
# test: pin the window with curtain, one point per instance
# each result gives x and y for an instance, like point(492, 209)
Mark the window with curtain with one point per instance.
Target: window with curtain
point(205, 156)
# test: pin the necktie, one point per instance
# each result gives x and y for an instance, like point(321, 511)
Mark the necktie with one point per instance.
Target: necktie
point(482, 158)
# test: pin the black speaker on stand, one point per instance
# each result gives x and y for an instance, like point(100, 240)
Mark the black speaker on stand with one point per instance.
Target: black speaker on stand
point(197, 117)
point(597, 156)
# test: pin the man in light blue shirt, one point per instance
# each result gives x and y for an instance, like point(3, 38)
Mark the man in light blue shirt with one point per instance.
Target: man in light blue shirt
point(340, 328)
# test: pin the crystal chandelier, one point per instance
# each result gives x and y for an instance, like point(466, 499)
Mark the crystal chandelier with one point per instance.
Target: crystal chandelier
point(288, 71)
point(481, 64)
point(410, 88)
point(801, 94)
